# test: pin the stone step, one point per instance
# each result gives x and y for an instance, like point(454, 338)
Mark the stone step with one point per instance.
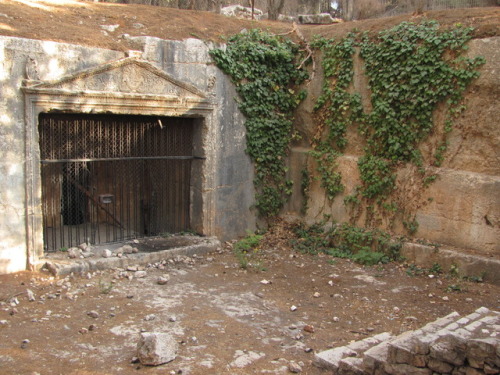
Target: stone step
point(435, 340)
point(330, 359)
point(449, 345)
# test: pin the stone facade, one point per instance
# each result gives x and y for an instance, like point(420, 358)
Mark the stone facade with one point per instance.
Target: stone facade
point(161, 78)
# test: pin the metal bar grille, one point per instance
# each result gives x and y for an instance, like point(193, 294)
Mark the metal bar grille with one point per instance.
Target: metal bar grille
point(107, 178)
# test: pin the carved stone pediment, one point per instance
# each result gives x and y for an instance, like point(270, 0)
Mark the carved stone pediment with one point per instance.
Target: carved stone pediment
point(125, 76)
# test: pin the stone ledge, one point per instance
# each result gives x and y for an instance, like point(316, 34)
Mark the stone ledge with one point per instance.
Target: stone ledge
point(64, 267)
point(468, 265)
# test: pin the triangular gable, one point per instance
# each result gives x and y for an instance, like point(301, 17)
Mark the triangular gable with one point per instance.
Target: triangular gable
point(128, 75)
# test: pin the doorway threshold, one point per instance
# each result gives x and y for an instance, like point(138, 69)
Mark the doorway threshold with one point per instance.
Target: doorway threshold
point(144, 251)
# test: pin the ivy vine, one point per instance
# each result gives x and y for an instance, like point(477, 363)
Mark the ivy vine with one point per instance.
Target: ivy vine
point(411, 69)
point(336, 109)
point(264, 69)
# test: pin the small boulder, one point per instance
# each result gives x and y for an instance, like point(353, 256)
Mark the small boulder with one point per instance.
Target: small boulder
point(155, 348)
point(74, 252)
point(162, 280)
point(127, 249)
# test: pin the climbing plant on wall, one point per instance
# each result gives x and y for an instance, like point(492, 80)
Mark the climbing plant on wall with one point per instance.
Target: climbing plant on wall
point(336, 109)
point(264, 69)
point(411, 69)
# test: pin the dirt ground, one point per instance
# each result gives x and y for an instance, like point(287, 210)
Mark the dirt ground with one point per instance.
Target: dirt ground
point(80, 22)
point(226, 320)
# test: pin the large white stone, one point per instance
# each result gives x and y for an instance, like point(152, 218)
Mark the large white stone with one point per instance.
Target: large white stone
point(155, 348)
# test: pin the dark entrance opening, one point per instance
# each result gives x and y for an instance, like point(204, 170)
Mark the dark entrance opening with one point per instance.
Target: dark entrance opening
point(109, 178)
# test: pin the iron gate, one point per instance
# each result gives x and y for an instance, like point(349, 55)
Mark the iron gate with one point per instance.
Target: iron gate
point(108, 178)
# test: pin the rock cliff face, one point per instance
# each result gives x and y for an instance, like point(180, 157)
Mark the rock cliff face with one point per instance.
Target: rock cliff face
point(462, 207)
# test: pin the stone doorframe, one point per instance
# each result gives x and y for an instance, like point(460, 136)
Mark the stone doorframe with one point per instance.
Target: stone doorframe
point(128, 86)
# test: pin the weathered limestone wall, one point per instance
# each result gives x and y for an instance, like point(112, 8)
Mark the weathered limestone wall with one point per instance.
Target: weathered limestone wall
point(54, 60)
point(231, 175)
point(464, 206)
point(221, 204)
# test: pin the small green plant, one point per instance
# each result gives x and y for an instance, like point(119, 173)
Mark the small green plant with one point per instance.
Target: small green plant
point(436, 269)
point(476, 278)
point(370, 258)
point(105, 287)
point(363, 246)
point(246, 251)
point(63, 249)
point(305, 184)
point(454, 270)
point(414, 270)
point(454, 288)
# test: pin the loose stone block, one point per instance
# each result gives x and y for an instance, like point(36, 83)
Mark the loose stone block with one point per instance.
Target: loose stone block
point(329, 359)
point(351, 366)
point(439, 366)
point(450, 348)
point(480, 351)
point(155, 349)
point(403, 369)
point(375, 357)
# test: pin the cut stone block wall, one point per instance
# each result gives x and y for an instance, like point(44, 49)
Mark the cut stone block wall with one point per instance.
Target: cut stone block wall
point(462, 207)
point(450, 345)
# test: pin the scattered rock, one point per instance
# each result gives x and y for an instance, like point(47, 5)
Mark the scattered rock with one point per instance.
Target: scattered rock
point(87, 254)
point(155, 348)
point(126, 249)
point(84, 247)
point(309, 328)
point(93, 314)
point(293, 308)
point(336, 319)
point(140, 274)
point(172, 319)
point(265, 282)
point(150, 317)
point(92, 327)
point(316, 295)
point(107, 253)
point(74, 252)
point(31, 295)
point(110, 28)
point(244, 358)
point(83, 331)
point(294, 367)
point(162, 280)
